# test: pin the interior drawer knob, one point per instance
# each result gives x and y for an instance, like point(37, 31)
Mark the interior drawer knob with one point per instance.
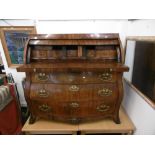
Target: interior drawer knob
point(42, 77)
point(43, 93)
point(74, 88)
point(105, 92)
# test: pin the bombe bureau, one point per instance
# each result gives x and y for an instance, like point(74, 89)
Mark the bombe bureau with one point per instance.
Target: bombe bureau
point(73, 77)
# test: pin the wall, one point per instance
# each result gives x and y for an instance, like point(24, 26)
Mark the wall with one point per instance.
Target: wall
point(141, 28)
point(139, 111)
point(130, 53)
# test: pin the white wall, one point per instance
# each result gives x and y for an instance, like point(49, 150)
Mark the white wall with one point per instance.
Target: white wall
point(85, 26)
point(141, 28)
point(140, 112)
point(129, 61)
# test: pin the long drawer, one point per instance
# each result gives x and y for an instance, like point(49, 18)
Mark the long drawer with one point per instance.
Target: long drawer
point(72, 109)
point(57, 92)
point(74, 77)
point(66, 108)
point(66, 92)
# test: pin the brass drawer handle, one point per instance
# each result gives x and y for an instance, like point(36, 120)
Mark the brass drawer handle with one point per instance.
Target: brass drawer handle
point(74, 88)
point(102, 108)
point(43, 93)
point(105, 92)
point(74, 105)
point(105, 76)
point(42, 77)
point(44, 108)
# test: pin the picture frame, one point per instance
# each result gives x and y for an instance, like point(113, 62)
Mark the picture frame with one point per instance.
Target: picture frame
point(129, 78)
point(13, 39)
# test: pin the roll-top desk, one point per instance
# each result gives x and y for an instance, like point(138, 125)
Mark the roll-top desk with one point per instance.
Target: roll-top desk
point(73, 77)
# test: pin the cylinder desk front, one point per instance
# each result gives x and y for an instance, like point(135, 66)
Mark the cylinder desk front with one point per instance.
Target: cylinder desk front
point(73, 77)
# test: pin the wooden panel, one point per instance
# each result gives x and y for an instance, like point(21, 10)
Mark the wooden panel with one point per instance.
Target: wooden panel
point(80, 50)
point(74, 77)
point(106, 92)
point(102, 107)
point(101, 52)
point(74, 42)
point(42, 109)
point(72, 109)
point(76, 36)
point(106, 54)
point(92, 52)
point(57, 92)
point(71, 66)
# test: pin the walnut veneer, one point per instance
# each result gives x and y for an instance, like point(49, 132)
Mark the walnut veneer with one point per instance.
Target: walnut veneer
point(73, 77)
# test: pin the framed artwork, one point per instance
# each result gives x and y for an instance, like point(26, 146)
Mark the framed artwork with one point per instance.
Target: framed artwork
point(140, 57)
point(13, 39)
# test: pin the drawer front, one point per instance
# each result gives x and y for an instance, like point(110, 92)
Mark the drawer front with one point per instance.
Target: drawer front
point(70, 109)
point(73, 109)
point(42, 109)
point(63, 92)
point(107, 92)
point(101, 108)
point(74, 78)
point(83, 109)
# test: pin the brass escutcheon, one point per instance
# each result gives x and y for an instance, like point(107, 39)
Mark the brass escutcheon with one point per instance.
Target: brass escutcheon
point(102, 108)
point(44, 108)
point(74, 88)
point(105, 92)
point(42, 77)
point(105, 76)
point(43, 93)
point(74, 105)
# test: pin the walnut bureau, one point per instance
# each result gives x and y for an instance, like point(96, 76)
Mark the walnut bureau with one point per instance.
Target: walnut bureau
point(73, 77)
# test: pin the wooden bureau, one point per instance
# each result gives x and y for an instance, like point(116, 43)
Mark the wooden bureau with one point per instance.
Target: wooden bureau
point(73, 77)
